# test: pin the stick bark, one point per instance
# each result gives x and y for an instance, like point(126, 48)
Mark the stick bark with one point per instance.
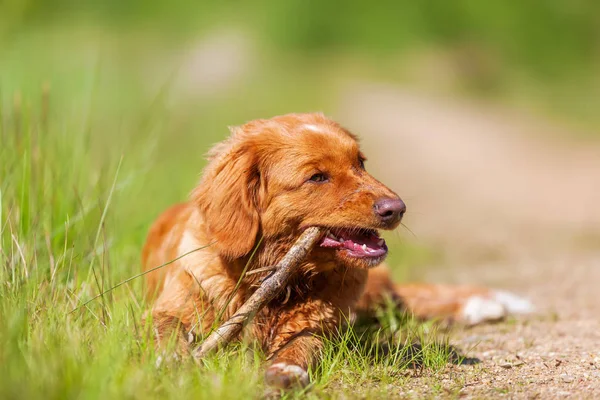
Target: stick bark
point(266, 292)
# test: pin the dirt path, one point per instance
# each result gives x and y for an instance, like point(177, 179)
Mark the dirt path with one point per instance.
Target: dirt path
point(514, 204)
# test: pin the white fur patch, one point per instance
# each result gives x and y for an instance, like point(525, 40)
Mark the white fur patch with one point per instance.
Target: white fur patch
point(187, 243)
point(512, 303)
point(478, 309)
point(312, 127)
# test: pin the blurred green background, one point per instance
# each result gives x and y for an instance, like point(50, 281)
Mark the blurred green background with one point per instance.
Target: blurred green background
point(107, 108)
point(157, 82)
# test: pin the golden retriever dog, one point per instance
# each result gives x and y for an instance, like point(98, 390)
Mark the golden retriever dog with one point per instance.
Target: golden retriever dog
point(263, 186)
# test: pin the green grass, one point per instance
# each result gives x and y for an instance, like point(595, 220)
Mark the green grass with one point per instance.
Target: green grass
point(96, 138)
point(95, 141)
point(88, 157)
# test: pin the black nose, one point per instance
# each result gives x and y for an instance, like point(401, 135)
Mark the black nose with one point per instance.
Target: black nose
point(390, 211)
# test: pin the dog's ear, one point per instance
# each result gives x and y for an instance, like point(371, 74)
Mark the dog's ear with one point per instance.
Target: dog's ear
point(227, 196)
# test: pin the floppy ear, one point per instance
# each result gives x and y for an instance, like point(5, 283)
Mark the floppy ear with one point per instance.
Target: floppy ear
point(227, 196)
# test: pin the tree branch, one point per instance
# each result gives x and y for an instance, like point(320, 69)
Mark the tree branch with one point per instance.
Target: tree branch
point(266, 292)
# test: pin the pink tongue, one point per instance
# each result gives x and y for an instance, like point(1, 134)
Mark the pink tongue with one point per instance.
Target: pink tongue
point(360, 245)
point(371, 249)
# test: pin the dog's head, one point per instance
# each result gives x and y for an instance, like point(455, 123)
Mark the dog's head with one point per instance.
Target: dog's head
point(274, 178)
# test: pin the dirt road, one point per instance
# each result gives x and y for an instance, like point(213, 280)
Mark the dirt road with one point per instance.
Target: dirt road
point(513, 202)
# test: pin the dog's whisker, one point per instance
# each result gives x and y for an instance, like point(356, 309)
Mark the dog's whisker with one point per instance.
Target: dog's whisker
point(408, 229)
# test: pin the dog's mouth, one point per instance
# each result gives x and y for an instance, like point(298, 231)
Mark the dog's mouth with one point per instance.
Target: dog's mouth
point(357, 243)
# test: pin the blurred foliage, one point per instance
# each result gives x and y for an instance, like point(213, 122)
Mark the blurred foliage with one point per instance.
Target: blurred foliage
point(544, 35)
point(549, 37)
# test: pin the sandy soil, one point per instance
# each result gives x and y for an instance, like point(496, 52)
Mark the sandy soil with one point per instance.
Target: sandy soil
point(514, 203)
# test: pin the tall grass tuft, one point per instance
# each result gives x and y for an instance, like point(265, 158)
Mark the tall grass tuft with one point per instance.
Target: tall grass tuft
point(68, 233)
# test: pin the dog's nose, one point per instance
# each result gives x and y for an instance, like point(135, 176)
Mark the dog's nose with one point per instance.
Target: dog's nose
point(390, 210)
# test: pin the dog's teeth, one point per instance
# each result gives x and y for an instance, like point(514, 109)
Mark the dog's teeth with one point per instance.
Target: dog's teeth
point(364, 247)
point(381, 242)
point(333, 237)
point(342, 240)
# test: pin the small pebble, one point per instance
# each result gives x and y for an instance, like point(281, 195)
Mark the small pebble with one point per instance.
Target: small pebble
point(566, 378)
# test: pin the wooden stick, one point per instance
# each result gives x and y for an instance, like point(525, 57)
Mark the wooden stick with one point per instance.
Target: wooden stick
point(266, 292)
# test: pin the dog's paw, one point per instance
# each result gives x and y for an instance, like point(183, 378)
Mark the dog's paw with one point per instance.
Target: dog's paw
point(512, 303)
point(499, 304)
point(286, 376)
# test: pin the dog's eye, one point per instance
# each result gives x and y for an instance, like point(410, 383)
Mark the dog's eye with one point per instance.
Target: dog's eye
point(361, 162)
point(320, 177)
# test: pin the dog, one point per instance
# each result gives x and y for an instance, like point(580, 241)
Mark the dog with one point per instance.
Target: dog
point(265, 184)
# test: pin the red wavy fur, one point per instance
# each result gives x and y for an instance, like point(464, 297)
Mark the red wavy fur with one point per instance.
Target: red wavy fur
point(257, 194)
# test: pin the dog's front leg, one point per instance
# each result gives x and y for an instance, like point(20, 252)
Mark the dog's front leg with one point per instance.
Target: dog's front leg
point(289, 365)
point(295, 340)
